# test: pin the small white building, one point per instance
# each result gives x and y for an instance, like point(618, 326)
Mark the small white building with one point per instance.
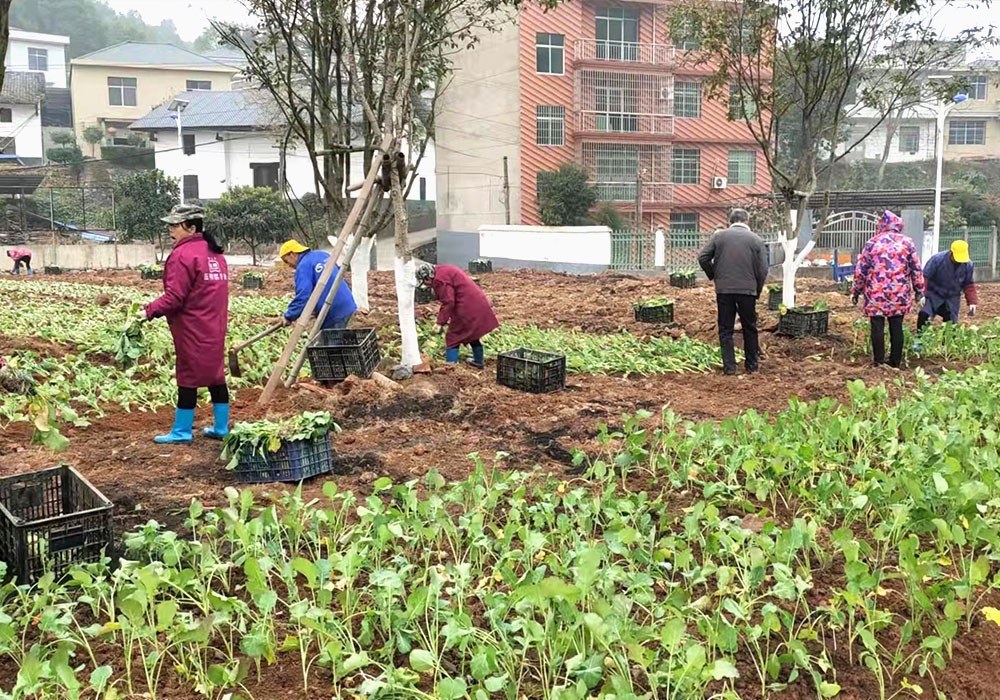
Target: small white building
point(233, 139)
point(913, 135)
point(21, 116)
point(38, 53)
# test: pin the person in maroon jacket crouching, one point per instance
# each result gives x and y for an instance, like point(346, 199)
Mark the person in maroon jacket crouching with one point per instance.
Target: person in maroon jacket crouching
point(465, 310)
point(195, 302)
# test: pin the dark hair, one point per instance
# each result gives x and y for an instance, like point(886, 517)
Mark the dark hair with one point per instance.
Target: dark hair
point(738, 216)
point(213, 242)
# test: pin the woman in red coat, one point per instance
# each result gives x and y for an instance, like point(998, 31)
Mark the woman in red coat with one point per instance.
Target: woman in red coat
point(465, 310)
point(195, 302)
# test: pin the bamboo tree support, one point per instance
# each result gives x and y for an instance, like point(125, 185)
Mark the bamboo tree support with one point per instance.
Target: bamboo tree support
point(328, 304)
point(306, 317)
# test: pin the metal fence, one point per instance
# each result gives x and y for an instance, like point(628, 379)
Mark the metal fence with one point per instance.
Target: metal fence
point(982, 242)
point(633, 250)
point(636, 250)
point(64, 208)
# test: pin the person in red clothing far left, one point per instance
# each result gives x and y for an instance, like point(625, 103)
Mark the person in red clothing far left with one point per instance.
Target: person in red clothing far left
point(195, 302)
point(21, 256)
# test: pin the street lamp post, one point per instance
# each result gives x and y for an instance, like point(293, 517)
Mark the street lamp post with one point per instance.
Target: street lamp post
point(942, 113)
point(177, 106)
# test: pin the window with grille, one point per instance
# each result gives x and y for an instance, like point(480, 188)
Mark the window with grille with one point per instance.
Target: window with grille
point(687, 99)
point(741, 104)
point(266, 175)
point(6, 115)
point(190, 187)
point(745, 40)
point(122, 92)
point(199, 85)
point(685, 32)
point(684, 230)
point(615, 108)
point(615, 167)
point(969, 132)
point(685, 166)
point(909, 139)
point(978, 87)
point(617, 32)
point(742, 168)
point(189, 145)
point(549, 50)
point(38, 59)
point(550, 125)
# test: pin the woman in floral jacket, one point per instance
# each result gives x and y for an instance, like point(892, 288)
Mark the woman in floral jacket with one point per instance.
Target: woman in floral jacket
point(888, 276)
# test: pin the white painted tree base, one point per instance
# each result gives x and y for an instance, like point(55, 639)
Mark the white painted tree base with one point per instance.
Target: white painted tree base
point(406, 275)
point(361, 265)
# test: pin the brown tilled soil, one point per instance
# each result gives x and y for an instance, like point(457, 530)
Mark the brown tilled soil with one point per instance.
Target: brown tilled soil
point(437, 420)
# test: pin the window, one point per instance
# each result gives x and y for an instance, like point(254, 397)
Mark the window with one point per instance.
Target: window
point(190, 187)
point(423, 189)
point(617, 31)
point(687, 99)
point(616, 108)
point(615, 167)
point(684, 230)
point(909, 139)
point(550, 125)
point(684, 32)
point(189, 145)
point(549, 53)
point(38, 59)
point(121, 141)
point(6, 115)
point(685, 166)
point(122, 92)
point(742, 168)
point(741, 104)
point(967, 133)
point(266, 175)
point(745, 41)
point(978, 87)
point(199, 85)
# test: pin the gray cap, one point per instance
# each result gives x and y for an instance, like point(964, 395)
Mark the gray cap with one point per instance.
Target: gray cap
point(182, 213)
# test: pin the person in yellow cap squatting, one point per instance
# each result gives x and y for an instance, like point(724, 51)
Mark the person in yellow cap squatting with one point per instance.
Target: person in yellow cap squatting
point(947, 276)
point(308, 266)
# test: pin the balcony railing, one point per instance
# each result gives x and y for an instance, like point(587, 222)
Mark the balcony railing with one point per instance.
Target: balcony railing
point(625, 52)
point(599, 122)
point(652, 192)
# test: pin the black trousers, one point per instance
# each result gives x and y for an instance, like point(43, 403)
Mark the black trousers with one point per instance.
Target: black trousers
point(745, 306)
point(26, 261)
point(895, 340)
point(923, 319)
point(187, 396)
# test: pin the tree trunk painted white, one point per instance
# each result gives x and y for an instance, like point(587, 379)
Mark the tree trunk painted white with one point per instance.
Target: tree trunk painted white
point(791, 264)
point(360, 267)
point(406, 274)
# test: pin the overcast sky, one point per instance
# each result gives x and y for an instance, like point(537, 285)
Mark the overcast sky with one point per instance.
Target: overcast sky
point(191, 16)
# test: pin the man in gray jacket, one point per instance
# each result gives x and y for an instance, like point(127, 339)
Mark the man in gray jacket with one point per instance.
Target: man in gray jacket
point(736, 259)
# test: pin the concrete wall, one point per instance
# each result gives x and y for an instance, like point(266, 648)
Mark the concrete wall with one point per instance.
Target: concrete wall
point(575, 249)
point(26, 127)
point(477, 124)
point(17, 54)
point(92, 257)
point(154, 86)
point(222, 165)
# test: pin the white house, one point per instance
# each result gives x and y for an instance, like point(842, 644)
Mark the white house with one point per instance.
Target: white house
point(38, 53)
point(21, 116)
point(914, 135)
point(232, 139)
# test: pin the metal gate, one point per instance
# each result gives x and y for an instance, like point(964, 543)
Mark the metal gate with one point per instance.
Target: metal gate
point(846, 231)
point(633, 250)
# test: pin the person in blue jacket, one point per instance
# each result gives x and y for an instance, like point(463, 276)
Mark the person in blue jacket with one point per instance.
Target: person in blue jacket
point(309, 265)
point(948, 275)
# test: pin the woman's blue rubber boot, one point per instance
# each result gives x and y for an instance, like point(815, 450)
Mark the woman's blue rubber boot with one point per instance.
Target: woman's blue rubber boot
point(478, 359)
point(181, 432)
point(451, 355)
point(221, 427)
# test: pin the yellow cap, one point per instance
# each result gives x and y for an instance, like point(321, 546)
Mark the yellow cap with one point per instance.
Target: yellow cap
point(960, 252)
point(291, 246)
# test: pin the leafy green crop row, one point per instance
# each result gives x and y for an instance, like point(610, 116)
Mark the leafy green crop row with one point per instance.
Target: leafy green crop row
point(761, 546)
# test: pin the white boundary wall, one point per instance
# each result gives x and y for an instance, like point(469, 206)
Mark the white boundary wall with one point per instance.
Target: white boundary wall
point(569, 246)
point(100, 256)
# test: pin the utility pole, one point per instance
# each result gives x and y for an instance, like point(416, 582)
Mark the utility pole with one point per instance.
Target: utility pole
point(638, 201)
point(506, 193)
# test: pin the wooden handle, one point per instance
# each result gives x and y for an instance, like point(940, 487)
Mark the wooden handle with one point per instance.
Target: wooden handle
point(259, 336)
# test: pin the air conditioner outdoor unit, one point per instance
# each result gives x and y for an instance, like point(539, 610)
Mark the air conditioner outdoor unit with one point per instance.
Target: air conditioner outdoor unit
point(666, 94)
point(719, 183)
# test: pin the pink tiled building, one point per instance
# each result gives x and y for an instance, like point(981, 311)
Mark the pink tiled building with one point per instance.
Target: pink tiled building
point(612, 86)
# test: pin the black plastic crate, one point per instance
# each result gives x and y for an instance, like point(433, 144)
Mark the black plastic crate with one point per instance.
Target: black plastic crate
point(659, 313)
point(424, 295)
point(50, 520)
point(478, 267)
point(293, 461)
point(800, 323)
point(337, 354)
point(52, 270)
point(533, 371)
point(682, 281)
point(151, 274)
point(774, 299)
point(252, 283)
